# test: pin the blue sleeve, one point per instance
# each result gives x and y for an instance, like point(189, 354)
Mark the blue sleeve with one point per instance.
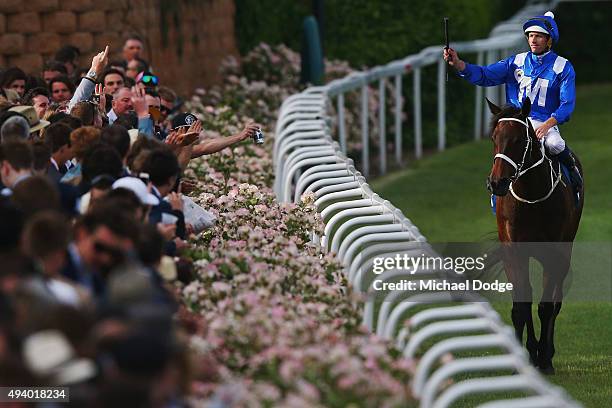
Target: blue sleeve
point(145, 125)
point(82, 93)
point(489, 75)
point(567, 95)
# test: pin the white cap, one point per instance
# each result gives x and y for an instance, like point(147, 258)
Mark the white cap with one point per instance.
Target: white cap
point(48, 353)
point(536, 29)
point(139, 188)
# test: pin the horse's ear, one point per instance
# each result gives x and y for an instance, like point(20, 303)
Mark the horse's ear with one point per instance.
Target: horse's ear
point(526, 108)
point(493, 107)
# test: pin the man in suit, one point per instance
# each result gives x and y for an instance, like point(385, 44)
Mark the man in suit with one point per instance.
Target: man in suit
point(163, 169)
point(15, 164)
point(103, 239)
point(57, 137)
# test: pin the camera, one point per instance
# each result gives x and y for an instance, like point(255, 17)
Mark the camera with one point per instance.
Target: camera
point(258, 137)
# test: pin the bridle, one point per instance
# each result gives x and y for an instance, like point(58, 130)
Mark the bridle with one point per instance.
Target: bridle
point(518, 168)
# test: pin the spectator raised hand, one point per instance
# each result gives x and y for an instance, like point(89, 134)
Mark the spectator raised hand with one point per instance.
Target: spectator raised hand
point(249, 130)
point(99, 61)
point(175, 200)
point(140, 102)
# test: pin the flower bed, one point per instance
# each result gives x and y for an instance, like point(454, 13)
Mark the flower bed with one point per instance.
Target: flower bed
point(274, 322)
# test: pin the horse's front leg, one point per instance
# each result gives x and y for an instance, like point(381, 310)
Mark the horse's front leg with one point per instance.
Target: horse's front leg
point(516, 264)
point(556, 266)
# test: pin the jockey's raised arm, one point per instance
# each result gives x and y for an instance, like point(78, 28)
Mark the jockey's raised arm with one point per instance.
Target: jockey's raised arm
point(544, 77)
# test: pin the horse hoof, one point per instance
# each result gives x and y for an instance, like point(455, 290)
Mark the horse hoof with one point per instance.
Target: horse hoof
point(547, 370)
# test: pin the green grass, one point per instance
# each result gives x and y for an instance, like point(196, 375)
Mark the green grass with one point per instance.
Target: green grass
point(446, 197)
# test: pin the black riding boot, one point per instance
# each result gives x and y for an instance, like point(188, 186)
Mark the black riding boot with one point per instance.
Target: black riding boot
point(567, 159)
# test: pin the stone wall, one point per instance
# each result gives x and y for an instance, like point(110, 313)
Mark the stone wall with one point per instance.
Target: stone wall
point(32, 30)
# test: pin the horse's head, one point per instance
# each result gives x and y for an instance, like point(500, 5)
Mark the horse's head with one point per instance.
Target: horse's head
point(511, 133)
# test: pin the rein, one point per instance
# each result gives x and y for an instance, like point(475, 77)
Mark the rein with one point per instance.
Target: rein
point(518, 168)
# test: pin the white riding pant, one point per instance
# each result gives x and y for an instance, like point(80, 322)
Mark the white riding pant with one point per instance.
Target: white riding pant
point(553, 141)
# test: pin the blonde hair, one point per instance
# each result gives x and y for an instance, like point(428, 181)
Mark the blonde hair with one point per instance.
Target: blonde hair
point(82, 138)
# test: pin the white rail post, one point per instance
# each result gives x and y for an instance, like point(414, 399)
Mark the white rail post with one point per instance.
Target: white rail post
point(441, 104)
point(502, 88)
point(365, 148)
point(478, 108)
point(491, 91)
point(418, 128)
point(341, 122)
point(381, 126)
point(398, 119)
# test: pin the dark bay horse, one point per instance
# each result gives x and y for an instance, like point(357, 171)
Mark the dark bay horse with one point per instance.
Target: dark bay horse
point(538, 219)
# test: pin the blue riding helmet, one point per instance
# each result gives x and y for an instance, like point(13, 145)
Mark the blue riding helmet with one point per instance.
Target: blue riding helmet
point(543, 24)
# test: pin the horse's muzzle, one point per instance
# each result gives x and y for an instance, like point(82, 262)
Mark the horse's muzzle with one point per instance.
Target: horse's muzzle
point(498, 187)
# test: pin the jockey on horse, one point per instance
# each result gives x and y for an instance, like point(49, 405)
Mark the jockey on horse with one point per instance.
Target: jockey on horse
point(541, 75)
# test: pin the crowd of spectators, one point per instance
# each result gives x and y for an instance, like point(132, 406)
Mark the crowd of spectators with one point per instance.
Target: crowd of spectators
point(93, 217)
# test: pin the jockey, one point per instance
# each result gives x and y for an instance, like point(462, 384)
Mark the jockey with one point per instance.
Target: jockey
point(541, 75)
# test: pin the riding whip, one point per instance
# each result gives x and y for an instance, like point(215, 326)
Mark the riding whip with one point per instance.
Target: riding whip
point(446, 40)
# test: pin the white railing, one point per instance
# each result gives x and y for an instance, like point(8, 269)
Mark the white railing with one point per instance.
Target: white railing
point(360, 226)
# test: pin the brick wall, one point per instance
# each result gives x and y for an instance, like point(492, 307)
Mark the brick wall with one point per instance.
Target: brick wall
point(32, 30)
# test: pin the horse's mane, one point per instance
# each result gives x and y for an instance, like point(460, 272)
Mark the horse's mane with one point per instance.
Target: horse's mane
point(507, 111)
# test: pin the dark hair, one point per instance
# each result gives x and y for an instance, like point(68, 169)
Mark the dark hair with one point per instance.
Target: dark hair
point(35, 194)
point(33, 93)
point(85, 111)
point(118, 63)
point(140, 146)
point(46, 233)
point(112, 217)
point(34, 81)
point(133, 36)
point(161, 165)
point(118, 137)
point(71, 121)
point(57, 135)
point(109, 71)
point(41, 154)
point(101, 159)
point(18, 154)
point(151, 92)
point(67, 53)
point(11, 74)
point(57, 117)
point(166, 93)
point(128, 120)
point(53, 65)
point(129, 82)
point(123, 198)
point(150, 246)
point(10, 233)
point(64, 80)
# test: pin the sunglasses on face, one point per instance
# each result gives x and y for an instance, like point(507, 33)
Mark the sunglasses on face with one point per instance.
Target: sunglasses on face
point(116, 253)
point(164, 110)
point(149, 80)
